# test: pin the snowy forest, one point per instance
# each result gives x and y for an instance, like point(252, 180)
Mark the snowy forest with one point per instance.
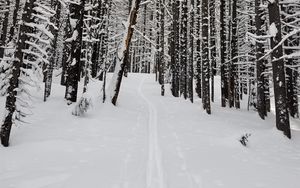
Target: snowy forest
point(154, 82)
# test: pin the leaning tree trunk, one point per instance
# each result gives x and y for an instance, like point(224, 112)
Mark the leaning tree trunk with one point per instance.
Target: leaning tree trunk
point(10, 105)
point(73, 64)
point(282, 116)
point(118, 75)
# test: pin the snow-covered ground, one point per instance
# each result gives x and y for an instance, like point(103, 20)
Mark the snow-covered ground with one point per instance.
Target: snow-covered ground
point(147, 141)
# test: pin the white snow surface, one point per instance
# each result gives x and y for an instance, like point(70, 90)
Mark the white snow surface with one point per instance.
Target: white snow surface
point(147, 141)
point(273, 30)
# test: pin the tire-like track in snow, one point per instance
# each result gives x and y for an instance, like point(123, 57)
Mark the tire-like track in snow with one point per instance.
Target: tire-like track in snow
point(154, 171)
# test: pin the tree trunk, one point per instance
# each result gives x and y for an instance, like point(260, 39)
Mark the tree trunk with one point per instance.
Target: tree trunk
point(260, 64)
point(222, 52)
point(282, 116)
point(73, 64)
point(198, 50)
point(162, 46)
point(118, 75)
point(205, 60)
point(191, 55)
point(10, 105)
point(174, 48)
point(49, 68)
point(14, 22)
point(213, 51)
point(183, 48)
point(3, 34)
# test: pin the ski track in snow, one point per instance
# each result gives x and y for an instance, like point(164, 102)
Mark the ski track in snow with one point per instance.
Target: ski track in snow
point(192, 180)
point(154, 174)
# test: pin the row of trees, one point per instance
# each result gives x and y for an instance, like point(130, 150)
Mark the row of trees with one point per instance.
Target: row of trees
point(251, 45)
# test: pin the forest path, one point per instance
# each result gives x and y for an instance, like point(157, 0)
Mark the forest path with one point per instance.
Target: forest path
point(147, 141)
point(165, 168)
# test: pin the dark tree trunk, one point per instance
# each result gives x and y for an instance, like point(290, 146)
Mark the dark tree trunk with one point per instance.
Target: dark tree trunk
point(14, 22)
point(223, 51)
point(234, 53)
point(10, 105)
point(282, 116)
point(96, 45)
point(66, 50)
point(183, 48)
point(174, 48)
point(73, 63)
point(158, 52)
point(3, 34)
point(103, 36)
point(191, 55)
point(291, 70)
point(126, 42)
point(205, 60)
point(49, 68)
point(213, 51)
point(260, 64)
point(198, 50)
point(162, 46)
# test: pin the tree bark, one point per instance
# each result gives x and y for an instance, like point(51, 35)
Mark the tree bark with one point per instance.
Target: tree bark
point(205, 58)
point(73, 64)
point(10, 105)
point(222, 52)
point(183, 48)
point(3, 34)
point(260, 64)
point(174, 48)
point(282, 116)
point(124, 51)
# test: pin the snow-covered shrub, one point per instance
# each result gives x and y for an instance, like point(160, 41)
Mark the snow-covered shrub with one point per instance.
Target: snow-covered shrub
point(82, 106)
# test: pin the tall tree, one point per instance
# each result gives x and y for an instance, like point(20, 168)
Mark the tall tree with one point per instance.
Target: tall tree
point(213, 49)
point(162, 47)
point(191, 54)
point(260, 63)
point(198, 50)
point(223, 51)
point(282, 116)
point(205, 58)
point(183, 48)
point(174, 48)
point(12, 91)
point(119, 71)
point(3, 34)
point(73, 63)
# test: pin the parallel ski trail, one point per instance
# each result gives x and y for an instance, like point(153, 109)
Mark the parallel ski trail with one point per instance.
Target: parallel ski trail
point(154, 172)
point(192, 180)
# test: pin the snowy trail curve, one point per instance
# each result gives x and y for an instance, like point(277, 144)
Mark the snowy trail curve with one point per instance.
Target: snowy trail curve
point(154, 173)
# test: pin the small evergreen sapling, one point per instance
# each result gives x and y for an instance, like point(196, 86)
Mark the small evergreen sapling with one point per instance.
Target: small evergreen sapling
point(244, 139)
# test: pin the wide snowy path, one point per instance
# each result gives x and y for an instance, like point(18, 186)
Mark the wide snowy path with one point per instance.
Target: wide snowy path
point(147, 141)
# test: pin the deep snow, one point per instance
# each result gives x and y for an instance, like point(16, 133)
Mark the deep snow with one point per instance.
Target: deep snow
point(147, 141)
